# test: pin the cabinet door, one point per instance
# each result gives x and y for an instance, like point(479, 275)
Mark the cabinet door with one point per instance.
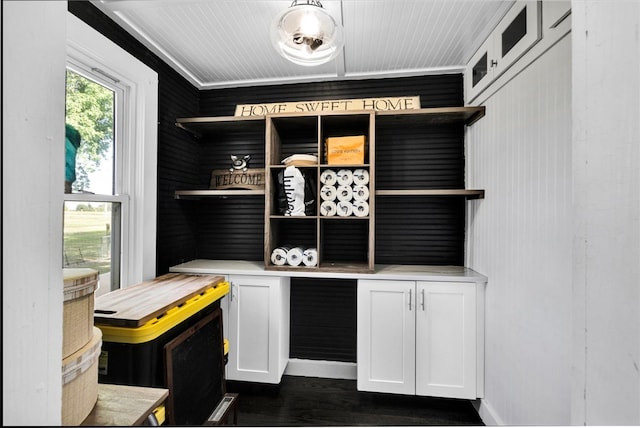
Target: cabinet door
point(386, 335)
point(258, 328)
point(479, 72)
point(514, 35)
point(518, 31)
point(446, 339)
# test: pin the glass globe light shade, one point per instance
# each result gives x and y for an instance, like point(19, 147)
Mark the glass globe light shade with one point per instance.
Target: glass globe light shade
point(306, 34)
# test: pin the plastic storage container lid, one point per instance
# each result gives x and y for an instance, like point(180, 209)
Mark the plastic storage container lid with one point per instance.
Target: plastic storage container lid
point(157, 326)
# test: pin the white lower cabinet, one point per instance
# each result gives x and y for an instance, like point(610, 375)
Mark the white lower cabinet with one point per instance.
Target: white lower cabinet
point(258, 328)
point(419, 337)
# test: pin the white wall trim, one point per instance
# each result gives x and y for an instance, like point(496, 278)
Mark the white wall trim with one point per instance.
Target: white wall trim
point(139, 181)
point(487, 413)
point(321, 368)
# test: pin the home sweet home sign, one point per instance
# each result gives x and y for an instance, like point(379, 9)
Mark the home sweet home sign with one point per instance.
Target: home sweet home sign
point(327, 106)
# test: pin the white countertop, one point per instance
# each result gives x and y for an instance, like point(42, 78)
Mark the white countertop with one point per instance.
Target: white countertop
point(389, 272)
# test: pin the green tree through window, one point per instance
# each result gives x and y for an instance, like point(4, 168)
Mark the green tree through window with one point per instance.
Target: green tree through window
point(90, 110)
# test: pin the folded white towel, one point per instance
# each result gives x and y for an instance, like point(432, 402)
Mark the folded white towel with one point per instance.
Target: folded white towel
point(361, 177)
point(279, 256)
point(360, 209)
point(294, 256)
point(344, 193)
point(328, 208)
point(310, 257)
point(328, 176)
point(328, 192)
point(360, 192)
point(345, 208)
point(345, 177)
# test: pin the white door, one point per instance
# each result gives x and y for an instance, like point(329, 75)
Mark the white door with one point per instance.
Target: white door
point(386, 334)
point(253, 329)
point(446, 339)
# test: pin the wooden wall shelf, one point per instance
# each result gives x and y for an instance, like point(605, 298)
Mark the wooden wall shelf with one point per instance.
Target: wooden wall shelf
point(467, 193)
point(197, 194)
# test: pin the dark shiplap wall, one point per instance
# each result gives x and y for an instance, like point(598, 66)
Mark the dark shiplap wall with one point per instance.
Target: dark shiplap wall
point(428, 231)
point(434, 91)
point(323, 322)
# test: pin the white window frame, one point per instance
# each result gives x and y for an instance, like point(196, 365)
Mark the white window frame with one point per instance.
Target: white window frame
point(137, 188)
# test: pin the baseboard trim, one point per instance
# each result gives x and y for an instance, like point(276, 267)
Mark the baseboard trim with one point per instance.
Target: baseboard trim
point(487, 413)
point(321, 368)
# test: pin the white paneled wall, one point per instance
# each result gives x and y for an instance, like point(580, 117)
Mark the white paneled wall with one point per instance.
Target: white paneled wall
point(33, 50)
point(520, 236)
point(606, 195)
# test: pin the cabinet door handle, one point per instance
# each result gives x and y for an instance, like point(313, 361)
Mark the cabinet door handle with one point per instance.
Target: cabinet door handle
point(422, 303)
point(231, 293)
point(410, 298)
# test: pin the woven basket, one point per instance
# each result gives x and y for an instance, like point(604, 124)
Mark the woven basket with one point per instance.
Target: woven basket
point(80, 381)
point(79, 287)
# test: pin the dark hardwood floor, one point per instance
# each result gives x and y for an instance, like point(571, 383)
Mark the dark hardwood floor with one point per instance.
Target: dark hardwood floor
point(303, 401)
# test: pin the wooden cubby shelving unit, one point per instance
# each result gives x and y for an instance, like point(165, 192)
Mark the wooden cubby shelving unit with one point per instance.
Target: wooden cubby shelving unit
point(344, 244)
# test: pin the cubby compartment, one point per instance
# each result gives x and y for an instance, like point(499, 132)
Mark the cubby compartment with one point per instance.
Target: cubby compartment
point(289, 136)
point(289, 233)
point(345, 192)
point(346, 244)
point(281, 203)
point(335, 126)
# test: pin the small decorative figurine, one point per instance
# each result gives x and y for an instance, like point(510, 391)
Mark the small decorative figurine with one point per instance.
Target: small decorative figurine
point(238, 163)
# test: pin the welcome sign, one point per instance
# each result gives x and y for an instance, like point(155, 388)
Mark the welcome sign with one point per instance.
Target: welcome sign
point(324, 106)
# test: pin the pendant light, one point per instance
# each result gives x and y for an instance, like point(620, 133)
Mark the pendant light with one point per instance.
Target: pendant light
point(306, 34)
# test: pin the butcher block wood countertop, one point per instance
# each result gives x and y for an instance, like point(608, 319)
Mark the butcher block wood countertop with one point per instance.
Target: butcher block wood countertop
point(124, 405)
point(135, 305)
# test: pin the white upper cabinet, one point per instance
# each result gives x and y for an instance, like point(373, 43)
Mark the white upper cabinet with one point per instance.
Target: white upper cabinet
point(516, 33)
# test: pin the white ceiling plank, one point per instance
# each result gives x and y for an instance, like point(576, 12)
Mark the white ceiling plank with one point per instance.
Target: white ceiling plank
point(226, 43)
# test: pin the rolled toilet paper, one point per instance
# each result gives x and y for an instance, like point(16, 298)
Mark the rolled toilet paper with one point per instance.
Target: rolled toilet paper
point(345, 177)
point(328, 192)
point(294, 256)
point(310, 257)
point(279, 256)
point(360, 192)
point(345, 208)
point(328, 208)
point(344, 193)
point(361, 177)
point(360, 209)
point(328, 176)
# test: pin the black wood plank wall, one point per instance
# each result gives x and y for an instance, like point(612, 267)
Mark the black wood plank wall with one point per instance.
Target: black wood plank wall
point(429, 231)
point(323, 322)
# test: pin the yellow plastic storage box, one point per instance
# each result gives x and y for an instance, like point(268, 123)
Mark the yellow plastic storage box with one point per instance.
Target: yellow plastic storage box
point(135, 355)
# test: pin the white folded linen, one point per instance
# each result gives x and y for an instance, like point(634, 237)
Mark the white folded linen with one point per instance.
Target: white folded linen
point(328, 208)
point(360, 209)
point(345, 177)
point(328, 176)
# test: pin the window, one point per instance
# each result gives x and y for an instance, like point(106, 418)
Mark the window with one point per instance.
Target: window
point(113, 196)
point(93, 201)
